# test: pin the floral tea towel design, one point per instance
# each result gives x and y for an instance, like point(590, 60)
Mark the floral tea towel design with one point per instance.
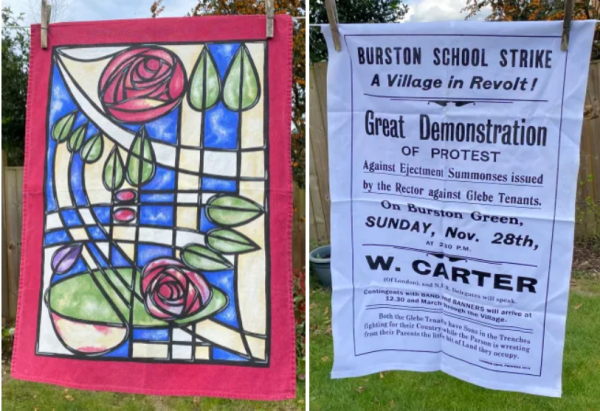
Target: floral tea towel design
point(157, 209)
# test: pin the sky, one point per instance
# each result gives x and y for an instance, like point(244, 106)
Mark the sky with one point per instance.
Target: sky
point(86, 10)
point(438, 10)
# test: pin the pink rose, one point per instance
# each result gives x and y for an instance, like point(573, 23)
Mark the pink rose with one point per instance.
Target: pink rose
point(171, 291)
point(142, 84)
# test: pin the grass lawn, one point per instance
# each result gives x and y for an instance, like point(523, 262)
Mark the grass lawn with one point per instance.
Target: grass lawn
point(23, 395)
point(435, 391)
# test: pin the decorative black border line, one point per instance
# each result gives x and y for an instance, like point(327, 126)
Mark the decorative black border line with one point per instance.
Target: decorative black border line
point(254, 362)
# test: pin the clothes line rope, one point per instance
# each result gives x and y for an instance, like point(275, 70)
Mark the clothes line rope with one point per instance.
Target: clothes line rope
point(28, 27)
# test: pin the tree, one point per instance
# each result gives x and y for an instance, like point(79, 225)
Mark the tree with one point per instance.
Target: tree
point(15, 58)
point(293, 8)
point(538, 10)
point(157, 8)
point(60, 11)
point(351, 11)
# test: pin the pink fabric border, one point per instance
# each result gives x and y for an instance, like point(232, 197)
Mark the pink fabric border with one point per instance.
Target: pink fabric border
point(277, 382)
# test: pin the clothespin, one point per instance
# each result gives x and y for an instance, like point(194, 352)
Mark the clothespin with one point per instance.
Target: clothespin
point(45, 20)
point(332, 16)
point(564, 45)
point(270, 12)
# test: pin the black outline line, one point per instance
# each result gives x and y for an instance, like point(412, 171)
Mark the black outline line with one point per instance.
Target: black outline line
point(472, 99)
point(210, 234)
point(201, 168)
point(259, 211)
point(142, 137)
point(208, 55)
point(88, 143)
point(244, 54)
point(267, 199)
point(224, 261)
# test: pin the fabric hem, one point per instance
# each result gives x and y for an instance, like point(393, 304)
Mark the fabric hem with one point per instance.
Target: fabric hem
point(194, 393)
point(25, 213)
point(290, 208)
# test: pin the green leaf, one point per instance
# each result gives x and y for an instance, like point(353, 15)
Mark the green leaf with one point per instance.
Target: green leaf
point(199, 257)
point(229, 241)
point(113, 170)
point(92, 149)
point(241, 70)
point(231, 211)
point(121, 303)
point(141, 318)
point(119, 279)
point(78, 297)
point(140, 149)
point(205, 83)
point(62, 128)
point(81, 298)
point(77, 138)
point(217, 302)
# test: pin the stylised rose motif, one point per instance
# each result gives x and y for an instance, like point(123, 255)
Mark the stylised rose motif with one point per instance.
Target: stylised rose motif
point(171, 291)
point(142, 84)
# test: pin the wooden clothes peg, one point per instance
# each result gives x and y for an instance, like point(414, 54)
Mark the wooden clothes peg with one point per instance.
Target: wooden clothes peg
point(45, 20)
point(332, 16)
point(270, 13)
point(564, 45)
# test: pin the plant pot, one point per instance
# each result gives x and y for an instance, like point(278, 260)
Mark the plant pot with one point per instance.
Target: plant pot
point(320, 261)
